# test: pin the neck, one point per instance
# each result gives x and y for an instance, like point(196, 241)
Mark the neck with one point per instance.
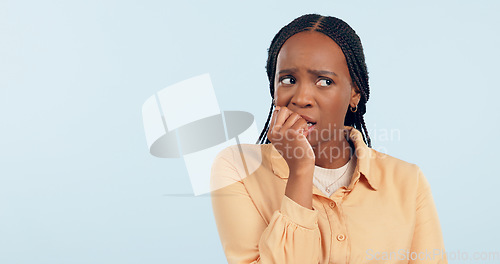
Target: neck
point(332, 154)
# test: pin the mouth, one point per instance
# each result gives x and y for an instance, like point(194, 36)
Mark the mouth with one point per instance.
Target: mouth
point(308, 119)
point(310, 123)
point(310, 127)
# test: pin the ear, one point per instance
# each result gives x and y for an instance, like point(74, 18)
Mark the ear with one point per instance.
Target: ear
point(355, 96)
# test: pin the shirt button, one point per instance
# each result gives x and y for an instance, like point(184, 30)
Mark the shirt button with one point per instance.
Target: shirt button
point(340, 237)
point(332, 204)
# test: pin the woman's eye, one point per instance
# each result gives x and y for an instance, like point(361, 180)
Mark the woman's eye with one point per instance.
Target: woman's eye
point(287, 80)
point(324, 82)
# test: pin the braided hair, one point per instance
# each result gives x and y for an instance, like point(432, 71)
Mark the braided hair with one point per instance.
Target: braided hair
point(350, 43)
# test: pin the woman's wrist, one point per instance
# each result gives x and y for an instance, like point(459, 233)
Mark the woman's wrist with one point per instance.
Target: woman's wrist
point(299, 187)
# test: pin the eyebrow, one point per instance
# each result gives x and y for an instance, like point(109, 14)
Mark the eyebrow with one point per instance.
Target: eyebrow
point(316, 72)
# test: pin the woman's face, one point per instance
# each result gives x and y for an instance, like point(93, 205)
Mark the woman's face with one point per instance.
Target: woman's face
point(313, 80)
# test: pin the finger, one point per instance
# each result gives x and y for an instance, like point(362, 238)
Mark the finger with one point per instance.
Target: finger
point(283, 115)
point(300, 126)
point(290, 121)
point(273, 118)
point(301, 123)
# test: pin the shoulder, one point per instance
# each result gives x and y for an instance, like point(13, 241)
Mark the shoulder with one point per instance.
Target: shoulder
point(250, 150)
point(382, 160)
point(235, 162)
point(244, 154)
point(392, 170)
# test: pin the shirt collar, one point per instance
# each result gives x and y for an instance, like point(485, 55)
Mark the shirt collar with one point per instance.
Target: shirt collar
point(362, 152)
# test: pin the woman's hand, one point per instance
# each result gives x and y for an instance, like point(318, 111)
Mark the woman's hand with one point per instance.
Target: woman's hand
point(288, 132)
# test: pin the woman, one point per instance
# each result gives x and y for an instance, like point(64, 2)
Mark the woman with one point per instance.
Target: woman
point(320, 193)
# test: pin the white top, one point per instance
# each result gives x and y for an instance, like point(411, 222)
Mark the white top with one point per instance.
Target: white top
point(329, 180)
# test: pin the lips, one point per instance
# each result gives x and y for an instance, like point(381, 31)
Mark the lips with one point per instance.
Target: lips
point(310, 121)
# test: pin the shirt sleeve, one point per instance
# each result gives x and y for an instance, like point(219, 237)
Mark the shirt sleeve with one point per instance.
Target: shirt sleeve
point(427, 240)
point(291, 236)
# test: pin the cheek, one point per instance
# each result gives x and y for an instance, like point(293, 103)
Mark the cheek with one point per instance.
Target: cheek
point(282, 95)
point(277, 90)
point(337, 98)
point(334, 107)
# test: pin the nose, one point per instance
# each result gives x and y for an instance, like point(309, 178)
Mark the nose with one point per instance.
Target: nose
point(303, 96)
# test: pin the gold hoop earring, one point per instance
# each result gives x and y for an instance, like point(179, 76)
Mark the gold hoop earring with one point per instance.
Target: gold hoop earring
point(354, 109)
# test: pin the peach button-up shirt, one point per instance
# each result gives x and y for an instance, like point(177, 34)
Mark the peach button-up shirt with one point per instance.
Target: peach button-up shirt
point(385, 215)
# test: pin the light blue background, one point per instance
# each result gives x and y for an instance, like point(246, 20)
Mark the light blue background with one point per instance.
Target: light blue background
point(77, 184)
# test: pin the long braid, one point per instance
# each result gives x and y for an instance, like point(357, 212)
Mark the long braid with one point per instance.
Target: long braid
point(266, 128)
point(351, 46)
point(365, 134)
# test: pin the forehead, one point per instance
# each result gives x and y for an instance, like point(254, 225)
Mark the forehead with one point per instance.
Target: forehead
point(311, 49)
